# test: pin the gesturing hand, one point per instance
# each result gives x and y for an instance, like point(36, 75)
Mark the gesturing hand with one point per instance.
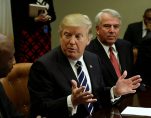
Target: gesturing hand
point(125, 86)
point(78, 95)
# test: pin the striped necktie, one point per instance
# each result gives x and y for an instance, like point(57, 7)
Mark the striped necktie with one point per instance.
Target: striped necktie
point(83, 82)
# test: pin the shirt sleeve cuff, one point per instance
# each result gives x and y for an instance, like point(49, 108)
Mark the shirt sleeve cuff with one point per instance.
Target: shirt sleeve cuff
point(113, 97)
point(72, 109)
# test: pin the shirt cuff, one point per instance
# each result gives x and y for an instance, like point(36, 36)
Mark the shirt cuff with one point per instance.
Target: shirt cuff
point(72, 109)
point(113, 97)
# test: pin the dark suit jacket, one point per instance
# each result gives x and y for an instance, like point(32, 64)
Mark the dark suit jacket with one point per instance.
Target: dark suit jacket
point(133, 33)
point(6, 108)
point(50, 84)
point(143, 62)
point(125, 54)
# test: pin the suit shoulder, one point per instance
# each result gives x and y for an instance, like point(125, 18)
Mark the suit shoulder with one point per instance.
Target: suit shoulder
point(135, 24)
point(123, 42)
point(49, 57)
point(92, 45)
point(91, 54)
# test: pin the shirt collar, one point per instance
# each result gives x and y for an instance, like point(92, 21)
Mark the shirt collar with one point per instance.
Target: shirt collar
point(106, 48)
point(144, 26)
point(75, 61)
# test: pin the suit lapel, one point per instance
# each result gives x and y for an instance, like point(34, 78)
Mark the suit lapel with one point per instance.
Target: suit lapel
point(65, 67)
point(90, 68)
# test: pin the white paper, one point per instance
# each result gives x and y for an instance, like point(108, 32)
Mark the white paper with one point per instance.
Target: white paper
point(137, 111)
point(34, 9)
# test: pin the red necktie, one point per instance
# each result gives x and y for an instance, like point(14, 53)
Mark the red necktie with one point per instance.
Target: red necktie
point(114, 62)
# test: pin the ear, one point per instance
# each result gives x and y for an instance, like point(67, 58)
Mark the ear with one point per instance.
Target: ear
point(88, 41)
point(97, 29)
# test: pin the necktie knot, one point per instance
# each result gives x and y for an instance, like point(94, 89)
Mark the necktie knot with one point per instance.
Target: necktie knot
point(111, 49)
point(78, 64)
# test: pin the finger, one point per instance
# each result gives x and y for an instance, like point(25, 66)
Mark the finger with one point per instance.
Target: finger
point(74, 84)
point(91, 100)
point(80, 90)
point(132, 91)
point(136, 86)
point(137, 81)
point(88, 97)
point(123, 76)
point(136, 77)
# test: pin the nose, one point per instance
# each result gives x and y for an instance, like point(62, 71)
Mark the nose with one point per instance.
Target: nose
point(111, 29)
point(72, 40)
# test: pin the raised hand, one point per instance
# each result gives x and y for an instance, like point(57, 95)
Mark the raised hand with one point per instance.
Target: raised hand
point(78, 95)
point(125, 86)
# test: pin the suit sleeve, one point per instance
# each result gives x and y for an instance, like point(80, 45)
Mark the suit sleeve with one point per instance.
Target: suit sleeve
point(44, 93)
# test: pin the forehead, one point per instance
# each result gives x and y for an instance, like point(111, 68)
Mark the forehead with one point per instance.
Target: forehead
point(75, 29)
point(109, 19)
point(148, 14)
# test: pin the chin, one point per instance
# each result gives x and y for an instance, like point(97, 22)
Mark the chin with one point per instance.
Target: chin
point(73, 57)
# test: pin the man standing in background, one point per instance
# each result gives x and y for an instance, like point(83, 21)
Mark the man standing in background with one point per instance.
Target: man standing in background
point(32, 34)
point(138, 31)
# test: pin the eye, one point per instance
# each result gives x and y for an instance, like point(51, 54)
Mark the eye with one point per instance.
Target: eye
point(67, 35)
point(107, 26)
point(116, 26)
point(78, 36)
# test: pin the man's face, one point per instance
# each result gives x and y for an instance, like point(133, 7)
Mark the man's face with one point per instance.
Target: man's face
point(108, 30)
point(73, 41)
point(147, 20)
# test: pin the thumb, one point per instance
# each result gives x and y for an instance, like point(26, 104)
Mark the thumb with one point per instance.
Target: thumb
point(74, 84)
point(123, 76)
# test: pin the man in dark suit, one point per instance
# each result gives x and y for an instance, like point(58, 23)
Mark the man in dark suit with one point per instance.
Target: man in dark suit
point(53, 85)
point(7, 50)
point(108, 23)
point(143, 62)
point(139, 34)
point(136, 32)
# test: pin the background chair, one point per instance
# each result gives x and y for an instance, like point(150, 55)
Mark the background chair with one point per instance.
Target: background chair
point(15, 86)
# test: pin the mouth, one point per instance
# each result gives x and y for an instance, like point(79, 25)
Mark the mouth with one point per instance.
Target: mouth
point(71, 50)
point(112, 37)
